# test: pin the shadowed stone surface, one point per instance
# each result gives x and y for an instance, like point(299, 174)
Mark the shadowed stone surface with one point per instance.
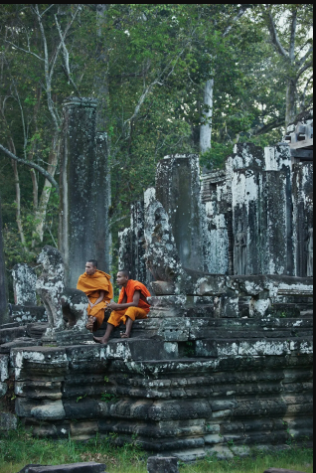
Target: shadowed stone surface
point(178, 190)
point(162, 465)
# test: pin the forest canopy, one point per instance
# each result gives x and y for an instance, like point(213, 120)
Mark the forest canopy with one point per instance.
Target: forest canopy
point(169, 78)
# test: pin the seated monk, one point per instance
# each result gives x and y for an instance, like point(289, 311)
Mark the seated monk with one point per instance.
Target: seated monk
point(98, 288)
point(132, 305)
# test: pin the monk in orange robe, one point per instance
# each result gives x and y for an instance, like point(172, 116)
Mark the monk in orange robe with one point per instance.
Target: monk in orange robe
point(98, 288)
point(132, 305)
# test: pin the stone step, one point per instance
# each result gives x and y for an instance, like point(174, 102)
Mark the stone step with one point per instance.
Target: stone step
point(18, 343)
point(88, 467)
point(10, 334)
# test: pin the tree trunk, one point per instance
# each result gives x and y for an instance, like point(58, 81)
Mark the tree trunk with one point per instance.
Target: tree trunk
point(41, 211)
point(17, 194)
point(4, 315)
point(290, 101)
point(206, 127)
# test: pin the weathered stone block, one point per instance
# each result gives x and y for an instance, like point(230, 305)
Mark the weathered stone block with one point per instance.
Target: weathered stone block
point(24, 285)
point(81, 408)
point(19, 343)
point(88, 467)
point(10, 334)
point(3, 389)
point(49, 411)
point(162, 465)
point(4, 367)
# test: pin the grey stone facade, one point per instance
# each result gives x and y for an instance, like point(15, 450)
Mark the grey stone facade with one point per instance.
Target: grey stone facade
point(253, 217)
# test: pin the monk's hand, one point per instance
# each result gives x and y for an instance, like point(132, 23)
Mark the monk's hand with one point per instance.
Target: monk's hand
point(113, 306)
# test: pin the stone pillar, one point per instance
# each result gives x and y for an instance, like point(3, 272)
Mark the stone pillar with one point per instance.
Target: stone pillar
point(3, 285)
point(178, 189)
point(302, 183)
point(132, 245)
point(248, 163)
point(84, 192)
point(216, 201)
point(24, 285)
point(275, 213)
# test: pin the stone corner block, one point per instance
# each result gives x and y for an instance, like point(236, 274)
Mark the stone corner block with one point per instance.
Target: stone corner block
point(162, 465)
point(8, 421)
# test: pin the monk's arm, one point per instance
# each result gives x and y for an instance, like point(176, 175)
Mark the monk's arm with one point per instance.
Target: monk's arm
point(100, 298)
point(126, 305)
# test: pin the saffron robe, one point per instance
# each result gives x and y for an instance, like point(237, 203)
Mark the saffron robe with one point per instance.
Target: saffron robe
point(92, 285)
point(120, 316)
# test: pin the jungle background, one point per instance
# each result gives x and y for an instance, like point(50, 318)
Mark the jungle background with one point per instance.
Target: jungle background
point(169, 78)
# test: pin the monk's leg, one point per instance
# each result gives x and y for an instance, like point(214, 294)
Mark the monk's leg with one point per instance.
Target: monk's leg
point(128, 325)
point(104, 340)
point(131, 315)
point(115, 320)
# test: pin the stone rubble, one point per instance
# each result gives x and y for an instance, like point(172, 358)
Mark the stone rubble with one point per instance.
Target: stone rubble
point(162, 465)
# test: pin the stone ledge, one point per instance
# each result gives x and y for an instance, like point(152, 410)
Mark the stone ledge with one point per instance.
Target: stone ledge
point(88, 467)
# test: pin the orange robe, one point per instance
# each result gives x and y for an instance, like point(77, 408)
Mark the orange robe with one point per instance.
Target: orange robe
point(92, 286)
point(120, 316)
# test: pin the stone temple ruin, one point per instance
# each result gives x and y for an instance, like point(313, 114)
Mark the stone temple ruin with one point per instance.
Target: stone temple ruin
point(224, 362)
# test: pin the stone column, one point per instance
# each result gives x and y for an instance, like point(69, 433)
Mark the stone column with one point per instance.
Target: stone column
point(3, 285)
point(84, 192)
point(302, 183)
point(275, 212)
point(247, 164)
point(132, 245)
point(178, 189)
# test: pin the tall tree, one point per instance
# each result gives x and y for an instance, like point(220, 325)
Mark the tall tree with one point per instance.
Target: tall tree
point(290, 28)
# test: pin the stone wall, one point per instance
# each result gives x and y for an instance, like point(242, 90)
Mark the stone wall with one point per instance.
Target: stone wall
point(194, 387)
point(252, 217)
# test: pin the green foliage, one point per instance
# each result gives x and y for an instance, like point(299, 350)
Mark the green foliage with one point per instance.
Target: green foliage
point(147, 64)
point(216, 156)
point(18, 449)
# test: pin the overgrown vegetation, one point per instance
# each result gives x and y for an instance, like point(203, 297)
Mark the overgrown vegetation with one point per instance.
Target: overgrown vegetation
point(18, 449)
point(148, 65)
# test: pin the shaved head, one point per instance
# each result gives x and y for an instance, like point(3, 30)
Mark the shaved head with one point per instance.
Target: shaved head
point(93, 262)
point(125, 272)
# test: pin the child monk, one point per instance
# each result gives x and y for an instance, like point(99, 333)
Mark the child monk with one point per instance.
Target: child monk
point(98, 288)
point(132, 305)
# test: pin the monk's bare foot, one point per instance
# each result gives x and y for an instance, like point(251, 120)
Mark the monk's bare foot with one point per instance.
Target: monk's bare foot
point(100, 340)
point(124, 335)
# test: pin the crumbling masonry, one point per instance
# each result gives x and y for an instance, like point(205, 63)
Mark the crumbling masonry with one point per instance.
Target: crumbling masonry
point(224, 362)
